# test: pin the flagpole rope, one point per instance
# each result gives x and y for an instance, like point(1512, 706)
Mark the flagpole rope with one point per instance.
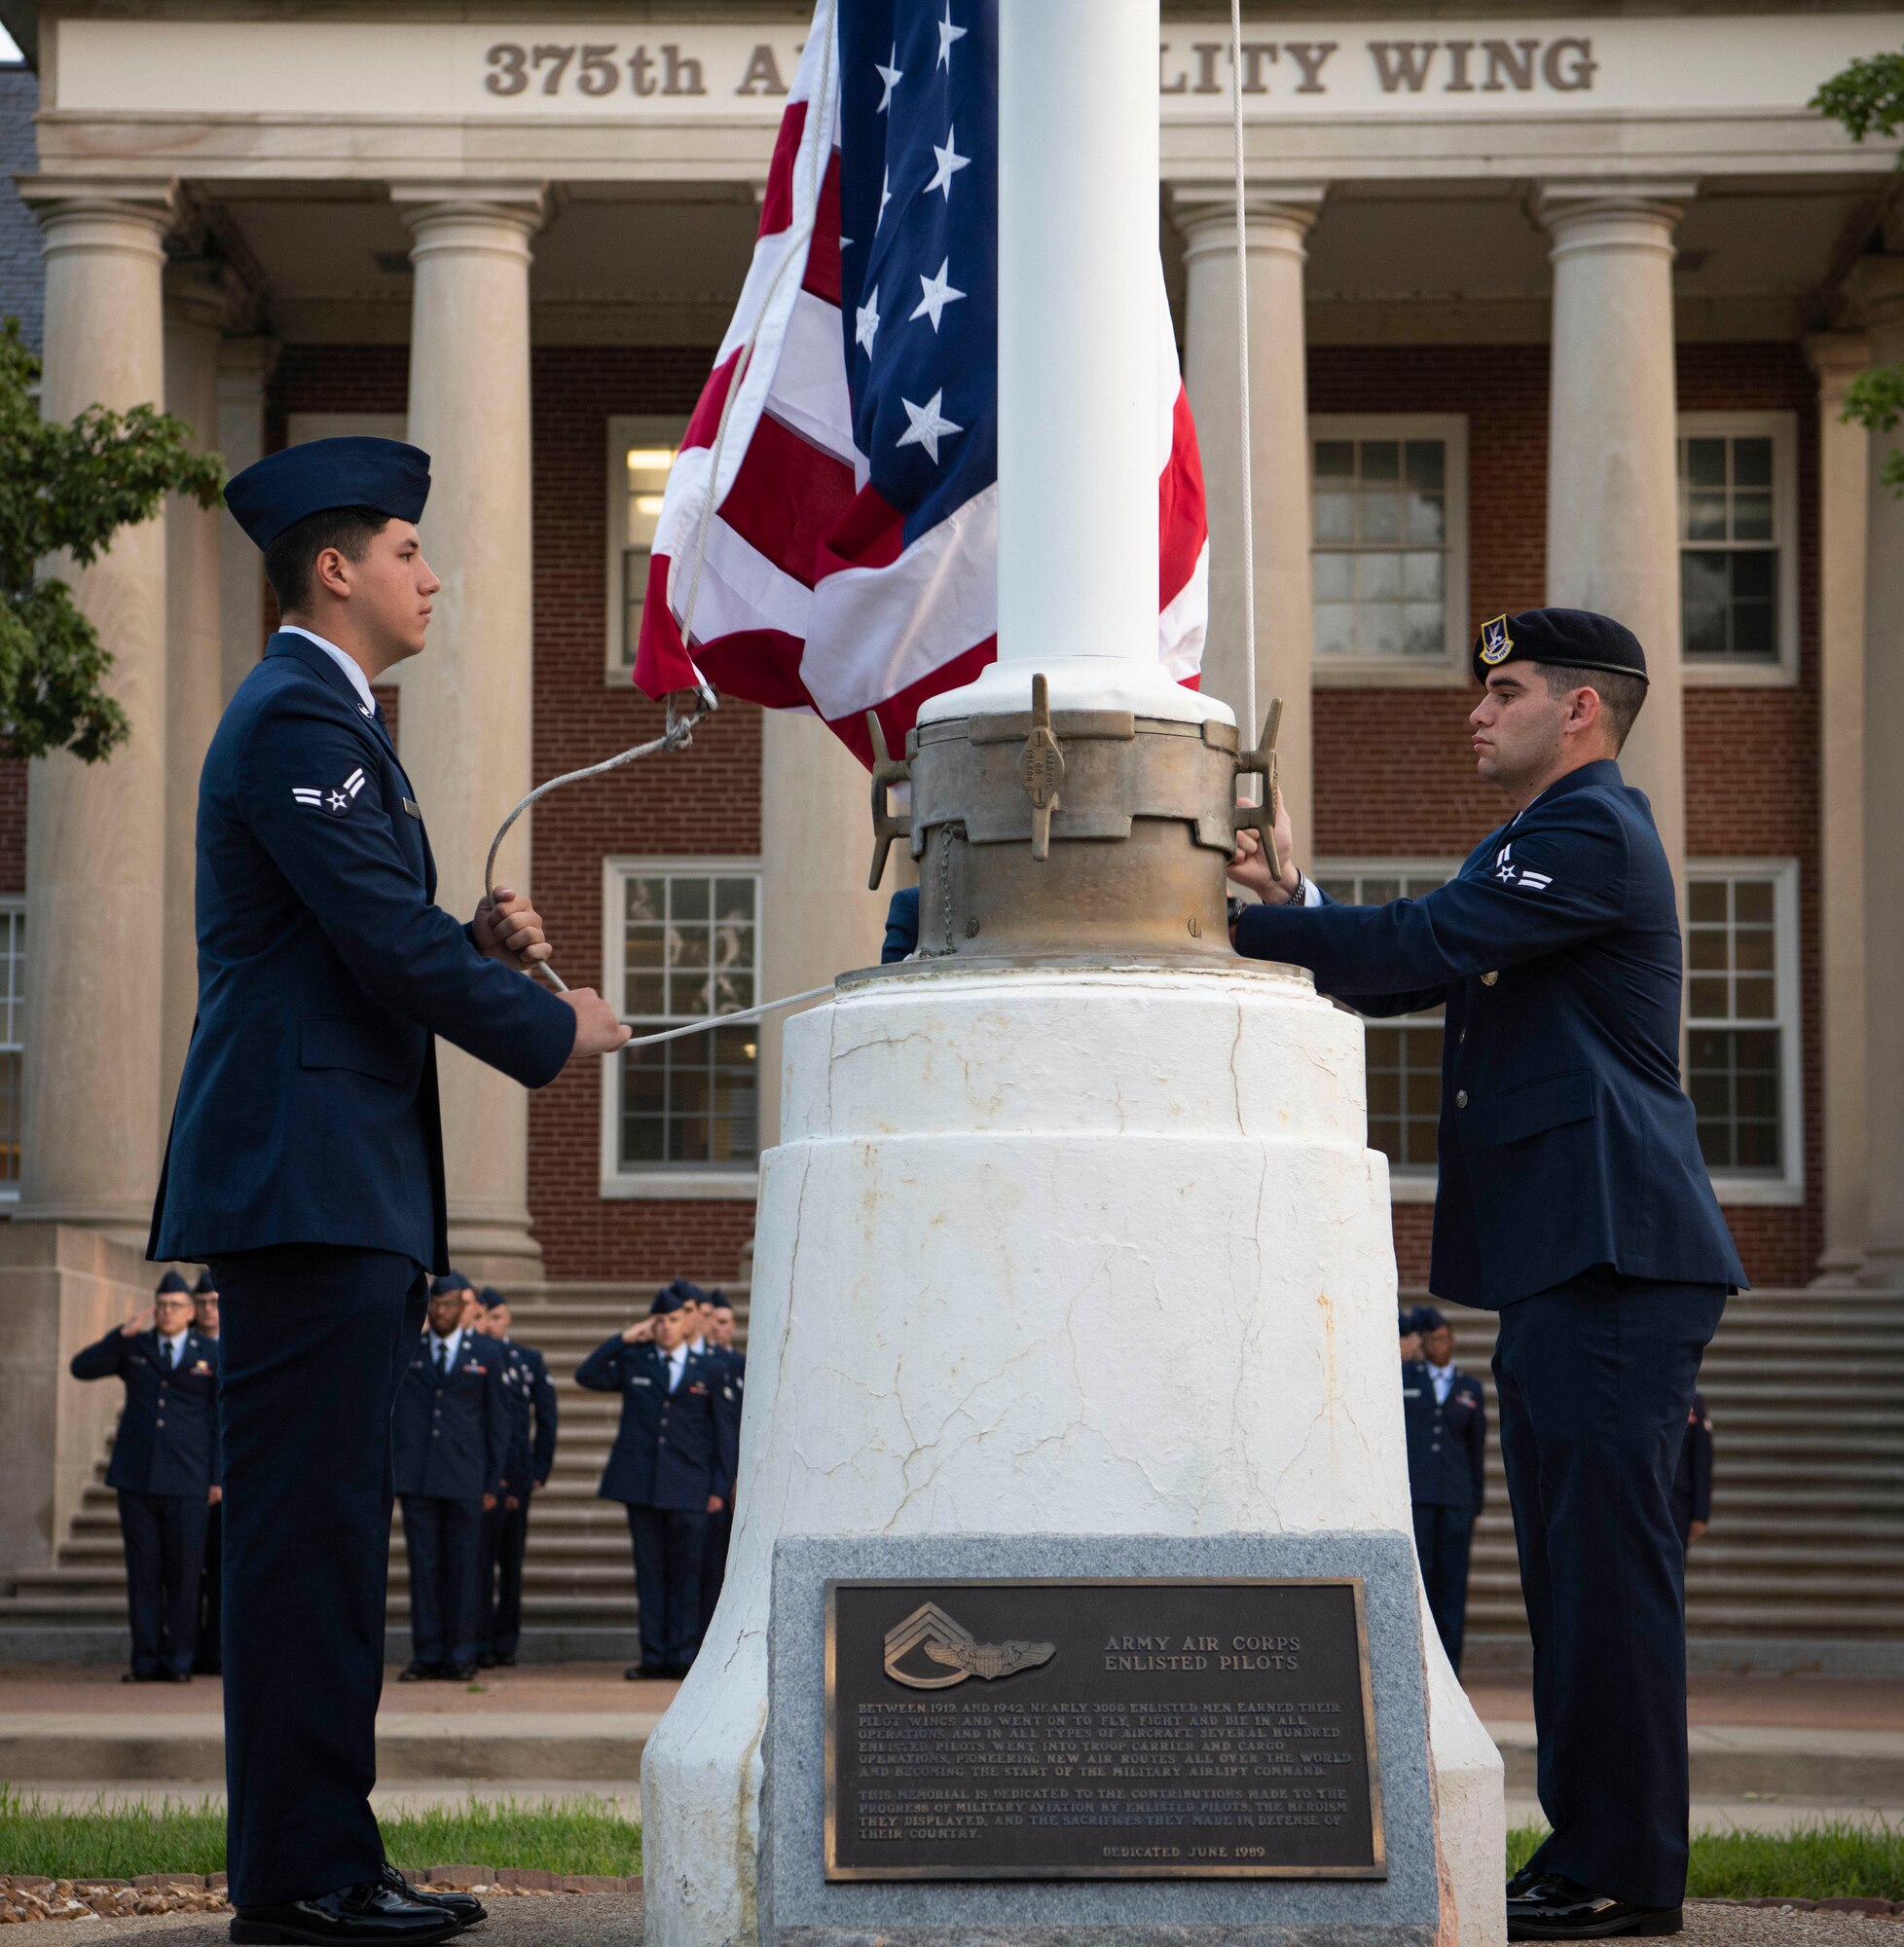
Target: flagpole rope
point(1250, 725)
point(679, 733)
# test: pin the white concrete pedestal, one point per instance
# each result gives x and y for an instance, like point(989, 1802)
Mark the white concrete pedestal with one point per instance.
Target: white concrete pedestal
point(1079, 1249)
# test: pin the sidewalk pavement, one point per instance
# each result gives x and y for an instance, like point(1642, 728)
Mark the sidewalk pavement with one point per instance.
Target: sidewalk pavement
point(1766, 1753)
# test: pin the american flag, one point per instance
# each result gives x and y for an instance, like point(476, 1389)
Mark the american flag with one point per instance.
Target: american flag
point(851, 562)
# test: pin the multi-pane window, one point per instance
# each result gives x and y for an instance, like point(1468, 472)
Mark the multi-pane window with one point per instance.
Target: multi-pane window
point(689, 949)
point(645, 468)
point(1738, 526)
point(1740, 1018)
point(1404, 1057)
point(13, 1028)
point(1386, 563)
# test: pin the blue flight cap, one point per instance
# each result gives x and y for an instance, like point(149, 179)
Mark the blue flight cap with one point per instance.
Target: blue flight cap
point(688, 1291)
point(1405, 1320)
point(448, 1281)
point(204, 1288)
point(666, 1300)
point(284, 488)
point(171, 1283)
point(1428, 1319)
point(490, 1298)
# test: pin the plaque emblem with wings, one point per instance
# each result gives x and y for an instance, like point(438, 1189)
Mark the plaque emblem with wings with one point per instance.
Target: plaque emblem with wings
point(942, 1652)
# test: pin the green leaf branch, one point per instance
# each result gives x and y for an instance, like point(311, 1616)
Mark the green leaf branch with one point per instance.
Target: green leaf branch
point(66, 489)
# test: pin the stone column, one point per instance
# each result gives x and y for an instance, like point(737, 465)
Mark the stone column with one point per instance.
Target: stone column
point(95, 870)
point(195, 309)
point(817, 917)
point(1879, 284)
point(1279, 461)
point(467, 698)
point(1844, 494)
point(1612, 491)
point(244, 366)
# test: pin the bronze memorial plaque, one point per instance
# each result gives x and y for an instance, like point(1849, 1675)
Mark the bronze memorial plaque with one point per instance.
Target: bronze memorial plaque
point(1049, 1730)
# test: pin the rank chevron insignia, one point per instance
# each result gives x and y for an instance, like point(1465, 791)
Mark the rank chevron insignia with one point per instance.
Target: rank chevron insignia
point(955, 1649)
point(337, 802)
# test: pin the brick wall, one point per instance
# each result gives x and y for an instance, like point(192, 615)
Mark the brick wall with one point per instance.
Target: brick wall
point(705, 799)
point(1751, 754)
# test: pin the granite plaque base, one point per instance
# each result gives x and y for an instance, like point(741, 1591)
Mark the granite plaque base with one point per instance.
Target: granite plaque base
point(1173, 1905)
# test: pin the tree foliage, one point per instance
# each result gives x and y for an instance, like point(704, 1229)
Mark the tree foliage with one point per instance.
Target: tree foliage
point(66, 489)
point(1867, 98)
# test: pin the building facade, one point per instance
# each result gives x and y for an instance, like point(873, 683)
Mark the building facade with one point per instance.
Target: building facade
point(1552, 308)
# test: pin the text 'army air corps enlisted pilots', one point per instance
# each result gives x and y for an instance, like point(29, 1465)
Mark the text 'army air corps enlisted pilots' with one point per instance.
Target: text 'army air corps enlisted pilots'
point(1573, 1200)
point(306, 1161)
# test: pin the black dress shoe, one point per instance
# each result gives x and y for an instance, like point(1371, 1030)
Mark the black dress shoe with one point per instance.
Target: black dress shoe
point(417, 1672)
point(456, 1672)
point(1554, 1907)
point(172, 1676)
point(464, 1908)
point(505, 1659)
point(484, 1659)
point(370, 1911)
point(644, 1672)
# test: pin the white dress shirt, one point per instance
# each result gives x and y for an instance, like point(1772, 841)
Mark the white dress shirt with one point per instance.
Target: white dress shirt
point(176, 1340)
point(347, 664)
point(677, 1365)
point(450, 1345)
point(1444, 1378)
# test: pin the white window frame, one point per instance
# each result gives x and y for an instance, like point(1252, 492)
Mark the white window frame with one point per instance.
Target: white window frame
point(1412, 1185)
point(1790, 1187)
point(1781, 428)
point(1451, 669)
point(626, 429)
point(664, 1184)
point(13, 906)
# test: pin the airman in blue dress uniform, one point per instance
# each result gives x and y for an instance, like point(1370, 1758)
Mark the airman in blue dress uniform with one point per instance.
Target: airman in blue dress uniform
point(306, 1164)
point(452, 1431)
point(165, 1471)
point(1445, 1417)
point(532, 1395)
point(1692, 1483)
point(1574, 1200)
point(211, 1580)
point(720, 1526)
point(671, 1466)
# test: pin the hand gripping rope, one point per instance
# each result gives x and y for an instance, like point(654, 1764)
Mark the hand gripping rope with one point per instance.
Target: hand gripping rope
point(679, 731)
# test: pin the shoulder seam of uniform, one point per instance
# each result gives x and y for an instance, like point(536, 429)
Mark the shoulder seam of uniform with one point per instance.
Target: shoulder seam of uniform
point(315, 686)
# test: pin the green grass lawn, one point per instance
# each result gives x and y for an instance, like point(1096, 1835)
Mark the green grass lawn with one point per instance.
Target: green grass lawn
point(116, 1840)
point(1828, 1861)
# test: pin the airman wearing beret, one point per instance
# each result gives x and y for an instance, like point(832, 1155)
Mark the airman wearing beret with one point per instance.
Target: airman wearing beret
point(1572, 1199)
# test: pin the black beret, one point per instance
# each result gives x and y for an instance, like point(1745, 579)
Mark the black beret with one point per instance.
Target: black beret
point(1575, 638)
point(1428, 1319)
point(204, 1288)
point(448, 1282)
point(666, 1300)
point(285, 488)
point(169, 1283)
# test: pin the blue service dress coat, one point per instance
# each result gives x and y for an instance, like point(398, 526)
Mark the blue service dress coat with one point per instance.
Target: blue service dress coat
point(533, 1415)
point(167, 1437)
point(1565, 1140)
point(672, 1450)
point(451, 1437)
point(308, 1109)
point(1447, 1440)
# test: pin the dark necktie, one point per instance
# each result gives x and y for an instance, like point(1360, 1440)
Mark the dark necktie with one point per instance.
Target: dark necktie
point(442, 1360)
point(165, 1354)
